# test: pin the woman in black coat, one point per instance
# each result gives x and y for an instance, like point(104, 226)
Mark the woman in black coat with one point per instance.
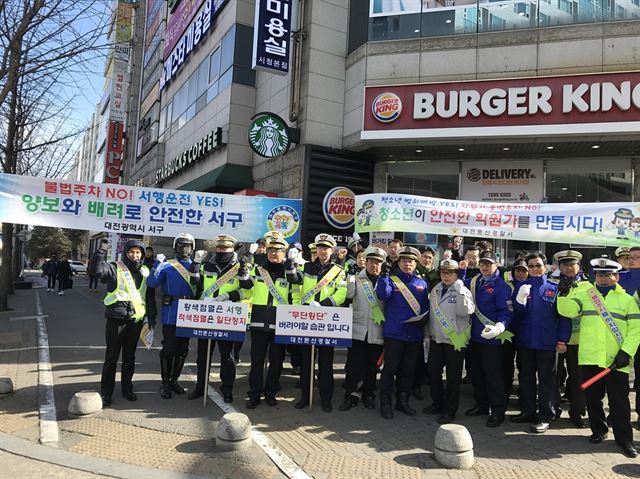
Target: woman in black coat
point(64, 275)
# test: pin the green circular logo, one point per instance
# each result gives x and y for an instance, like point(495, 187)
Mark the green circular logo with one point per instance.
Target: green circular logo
point(269, 135)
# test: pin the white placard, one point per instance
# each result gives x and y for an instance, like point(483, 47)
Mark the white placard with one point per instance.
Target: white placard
point(312, 325)
point(502, 181)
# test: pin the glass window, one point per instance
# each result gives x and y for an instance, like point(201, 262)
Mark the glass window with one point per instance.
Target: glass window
point(394, 27)
point(169, 114)
point(191, 112)
point(212, 92)
point(214, 65)
point(163, 119)
point(201, 102)
point(506, 15)
point(203, 76)
point(244, 76)
point(226, 54)
point(448, 21)
point(192, 89)
point(225, 79)
point(605, 181)
point(180, 102)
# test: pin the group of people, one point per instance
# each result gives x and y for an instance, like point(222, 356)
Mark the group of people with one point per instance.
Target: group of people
point(411, 321)
point(59, 270)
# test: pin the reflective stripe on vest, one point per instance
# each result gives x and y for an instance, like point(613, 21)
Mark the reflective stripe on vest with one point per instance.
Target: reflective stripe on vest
point(122, 294)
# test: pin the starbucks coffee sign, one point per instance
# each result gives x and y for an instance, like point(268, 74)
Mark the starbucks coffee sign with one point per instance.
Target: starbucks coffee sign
point(269, 135)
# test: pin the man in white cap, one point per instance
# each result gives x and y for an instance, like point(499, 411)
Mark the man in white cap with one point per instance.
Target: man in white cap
point(448, 331)
point(366, 346)
point(609, 337)
point(218, 279)
point(407, 306)
point(324, 284)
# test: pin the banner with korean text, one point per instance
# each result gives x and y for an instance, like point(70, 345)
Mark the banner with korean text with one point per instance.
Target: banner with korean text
point(144, 211)
point(311, 325)
point(222, 321)
point(597, 224)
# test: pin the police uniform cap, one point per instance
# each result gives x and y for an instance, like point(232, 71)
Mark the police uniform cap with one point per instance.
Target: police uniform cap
point(375, 253)
point(351, 243)
point(622, 251)
point(312, 247)
point(324, 239)
point(276, 240)
point(488, 256)
point(409, 252)
point(567, 256)
point(225, 241)
point(605, 265)
point(623, 213)
point(449, 264)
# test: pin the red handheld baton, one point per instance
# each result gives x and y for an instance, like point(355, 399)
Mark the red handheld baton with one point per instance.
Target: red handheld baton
point(595, 378)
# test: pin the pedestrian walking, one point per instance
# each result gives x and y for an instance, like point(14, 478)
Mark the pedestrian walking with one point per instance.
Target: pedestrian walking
point(50, 270)
point(64, 275)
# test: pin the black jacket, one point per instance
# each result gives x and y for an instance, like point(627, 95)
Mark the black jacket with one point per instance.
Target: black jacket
point(64, 270)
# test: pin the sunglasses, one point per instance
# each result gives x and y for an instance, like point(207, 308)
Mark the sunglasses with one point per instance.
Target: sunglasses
point(538, 265)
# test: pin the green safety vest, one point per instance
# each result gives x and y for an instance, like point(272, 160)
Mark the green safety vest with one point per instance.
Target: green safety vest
point(336, 289)
point(122, 294)
point(210, 278)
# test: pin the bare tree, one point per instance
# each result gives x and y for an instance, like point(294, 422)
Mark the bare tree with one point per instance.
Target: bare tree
point(46, 50)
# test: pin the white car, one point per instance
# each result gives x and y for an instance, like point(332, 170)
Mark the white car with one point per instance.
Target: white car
point(78, 267)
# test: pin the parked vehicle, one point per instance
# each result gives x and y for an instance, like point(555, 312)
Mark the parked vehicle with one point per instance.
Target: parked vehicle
point(78, 267)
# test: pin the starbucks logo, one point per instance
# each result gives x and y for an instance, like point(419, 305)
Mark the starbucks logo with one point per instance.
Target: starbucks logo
point(269, 135)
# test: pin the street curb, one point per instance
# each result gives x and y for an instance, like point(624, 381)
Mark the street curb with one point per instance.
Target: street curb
point(72, 460)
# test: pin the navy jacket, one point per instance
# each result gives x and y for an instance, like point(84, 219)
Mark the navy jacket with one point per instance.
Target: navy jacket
point(398, 310)
point(538, 324)
point(493, 299)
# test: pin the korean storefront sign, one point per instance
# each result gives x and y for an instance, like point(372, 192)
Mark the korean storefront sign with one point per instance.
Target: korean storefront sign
point(271, 35)
point(502, 181)
point(222, 321)
point(562, 105)
point(320, 326)
point(597, 224)
point(114, 151)
point(145, 211)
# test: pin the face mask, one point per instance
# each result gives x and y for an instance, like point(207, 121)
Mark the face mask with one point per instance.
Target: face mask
point(183, 250)
point(222, 258)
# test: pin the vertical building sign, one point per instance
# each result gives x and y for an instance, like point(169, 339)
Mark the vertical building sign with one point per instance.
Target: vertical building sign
point(271, 34)
point(114, 148)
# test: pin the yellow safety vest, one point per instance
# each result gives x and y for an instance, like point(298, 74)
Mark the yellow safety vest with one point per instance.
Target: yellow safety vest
point(121, 293)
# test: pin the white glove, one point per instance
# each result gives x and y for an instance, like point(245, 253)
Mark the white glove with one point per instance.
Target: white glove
point(253, 247)
point(315, 304)
point(221, 297)
point(160, 258)
point(523, 294)
point(355, 236)
point(292, 253)
point(490, 332)
point(200, 255)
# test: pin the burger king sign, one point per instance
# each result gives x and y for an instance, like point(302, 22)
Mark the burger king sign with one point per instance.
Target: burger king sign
point(386, 107)
point(338, 207)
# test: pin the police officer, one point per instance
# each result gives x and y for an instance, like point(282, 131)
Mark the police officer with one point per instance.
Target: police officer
point(540, 333)
point(451, 306)
point(353, 246)
point(569, 276)
point(609, 337)
point(494, 313)
point(366, 345)
point(125, 310)
point(324, 284)
point(270, 287)
point(407, 304)
point(173, 276)
point(218, 279)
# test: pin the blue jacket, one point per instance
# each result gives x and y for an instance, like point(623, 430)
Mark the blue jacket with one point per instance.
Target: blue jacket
point(173, 285)
point(538, 324)
point(630, 280)
point(493, 299)
point(398, 310)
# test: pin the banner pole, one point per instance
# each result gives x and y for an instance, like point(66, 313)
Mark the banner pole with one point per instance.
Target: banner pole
point(312, 376)
point(206, 377)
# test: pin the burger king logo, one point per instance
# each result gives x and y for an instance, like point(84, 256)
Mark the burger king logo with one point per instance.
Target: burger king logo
point(338, 207)
point(386, 107)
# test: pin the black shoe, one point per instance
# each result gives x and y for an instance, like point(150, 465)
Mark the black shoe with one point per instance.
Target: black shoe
point(295, 370)
point(236, 359)
point(558, 415)
point(349, 402)
point(476, 411)
point(466, 380)
point(628, 450)
point(130, 396)
point(303, 403)
point(386, 411)
point(252, 403)
point(176, 387)
point(577, 420)
point(495, 421)
point(445, 418)
point(432, 409)
point(369, 402)
point(539, 427)
point(597, 438)
point(271, 400)
point(402, 405)
point(523, 418)
point(227, 397)
point(196, 393)
point(417, 393)
point(165, 391)
point(106, 401)
point(326, 406)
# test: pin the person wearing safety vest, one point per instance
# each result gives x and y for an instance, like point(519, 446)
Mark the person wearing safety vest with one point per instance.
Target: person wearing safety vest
point(609, 337)
point(406, 297)
point(494, 313)
point(173, 276)
point(540, 334)
point(567, 277)
point(448, 332)
point(324, 284)
point(270, 287)
point(366, 345)
point(219, 279)
point(124, 311)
